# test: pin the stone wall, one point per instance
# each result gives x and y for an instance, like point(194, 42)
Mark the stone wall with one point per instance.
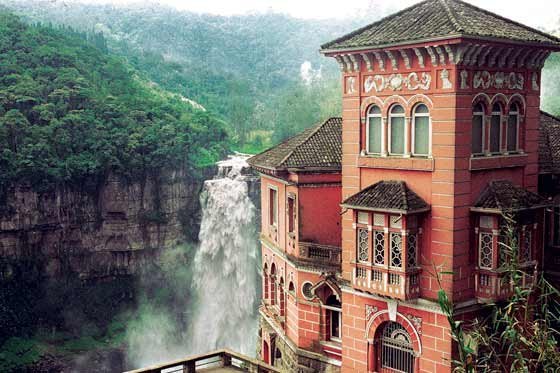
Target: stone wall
point(110, 231)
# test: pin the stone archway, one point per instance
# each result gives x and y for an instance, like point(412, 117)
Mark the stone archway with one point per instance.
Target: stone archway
point(374, 330)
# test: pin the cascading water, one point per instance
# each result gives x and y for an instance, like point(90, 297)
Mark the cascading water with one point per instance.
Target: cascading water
point(225, 278)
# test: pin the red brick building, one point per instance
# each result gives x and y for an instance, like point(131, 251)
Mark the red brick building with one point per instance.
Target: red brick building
point(439, 138)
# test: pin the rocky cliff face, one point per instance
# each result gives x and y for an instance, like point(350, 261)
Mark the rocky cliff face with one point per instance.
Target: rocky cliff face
point(100, 234)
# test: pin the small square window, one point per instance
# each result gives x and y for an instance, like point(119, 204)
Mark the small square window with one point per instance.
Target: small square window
point(379, 220)
point(363, 217)
point(486, 221)
point(411, 222)
point(396, 221)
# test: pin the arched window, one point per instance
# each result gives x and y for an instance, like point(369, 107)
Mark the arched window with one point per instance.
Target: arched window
point(272, 284)
point(496, 128)
point(396, 130)
point(421, 130)
point(334, 318)
point(281, 297)
point(478, 137)
point(266, 281)
point(513, 128)
point(396, 352)
point(291, 288)
point(374, 131)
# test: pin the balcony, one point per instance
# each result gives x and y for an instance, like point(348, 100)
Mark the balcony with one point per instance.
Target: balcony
point(492, 285)
point(217, 361)
point(323, 255)
point(386, 281)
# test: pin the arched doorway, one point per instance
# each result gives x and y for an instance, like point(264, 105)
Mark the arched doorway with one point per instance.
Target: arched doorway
point(395, 351)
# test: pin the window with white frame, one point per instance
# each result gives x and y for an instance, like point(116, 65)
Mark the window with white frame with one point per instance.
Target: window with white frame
point(421, 130)
point(396, 130)
point(379, 247)
point(374, 130)
point(272, 206)
point(485, 250)
point(496, 129)
point(396, 250)
point(477, 138)
point(363, 244)
point(334, 316)
point(513, 128)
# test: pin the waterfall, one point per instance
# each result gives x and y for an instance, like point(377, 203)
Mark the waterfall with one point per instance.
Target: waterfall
point(225, 280)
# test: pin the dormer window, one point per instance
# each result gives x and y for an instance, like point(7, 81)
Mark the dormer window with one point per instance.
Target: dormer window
point(396, 130)
point(374, 130)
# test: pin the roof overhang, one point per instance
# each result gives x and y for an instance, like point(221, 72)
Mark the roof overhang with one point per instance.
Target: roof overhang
point(391, 211)
point(449, 39)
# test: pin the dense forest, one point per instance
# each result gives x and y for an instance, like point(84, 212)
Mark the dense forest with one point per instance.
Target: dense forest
point(262, 74)
point(70, 112)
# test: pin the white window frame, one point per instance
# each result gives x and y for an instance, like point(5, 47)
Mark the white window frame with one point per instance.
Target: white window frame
point(480, 250)
point(380, 116)
point(517, 113)
point(391, 116)
point(414, 115)
point(276, 217)
point(339, 311)
point(483, 144)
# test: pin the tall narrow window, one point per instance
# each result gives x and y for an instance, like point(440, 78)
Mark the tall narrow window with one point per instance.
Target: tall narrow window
point(396, 250)
point(363, 244)
point(374, 130)
point(421, 128)
point(478, 129)
point(272, 207)
point(513, 128)
point(495, 128)
point(333, 307)
point(291, 214)
point(396, 129)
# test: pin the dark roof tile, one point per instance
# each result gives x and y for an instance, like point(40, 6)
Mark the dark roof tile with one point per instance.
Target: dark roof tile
point(387, 195)
point(549, 144)
point(439, 19)
point(503, 195)
point(318, 147)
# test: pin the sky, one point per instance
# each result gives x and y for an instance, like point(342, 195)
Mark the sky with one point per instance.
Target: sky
point(536, 13)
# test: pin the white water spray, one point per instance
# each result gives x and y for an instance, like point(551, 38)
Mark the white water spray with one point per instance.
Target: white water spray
point(225, 278)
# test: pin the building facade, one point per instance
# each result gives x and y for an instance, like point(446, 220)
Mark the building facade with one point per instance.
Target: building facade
point(438, 146)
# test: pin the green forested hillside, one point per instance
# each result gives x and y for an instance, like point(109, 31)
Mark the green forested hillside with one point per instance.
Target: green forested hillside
point(246, 69)
point(69, 111)
point(551, 85)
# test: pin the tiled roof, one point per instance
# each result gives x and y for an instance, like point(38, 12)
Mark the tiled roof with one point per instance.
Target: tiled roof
point(503, 195)
point(318, 147)
point(387, 195)
point(439, 19)
point(549, 144)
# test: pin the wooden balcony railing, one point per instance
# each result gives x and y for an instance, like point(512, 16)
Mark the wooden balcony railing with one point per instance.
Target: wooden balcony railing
point(219, 361)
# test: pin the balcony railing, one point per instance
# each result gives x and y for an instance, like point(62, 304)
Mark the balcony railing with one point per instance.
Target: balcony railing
point(319, 254)
point(218, 361)
point(493, 284)
point(387, 281)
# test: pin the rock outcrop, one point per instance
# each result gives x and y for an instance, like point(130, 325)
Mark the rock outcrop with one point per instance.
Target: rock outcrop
point(111, 231)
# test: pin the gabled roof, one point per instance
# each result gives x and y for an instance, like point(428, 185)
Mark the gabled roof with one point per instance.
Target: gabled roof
point(387, 196)
point(433, 20)
point(549, 144)
point(318, 147)
point(503, 195)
